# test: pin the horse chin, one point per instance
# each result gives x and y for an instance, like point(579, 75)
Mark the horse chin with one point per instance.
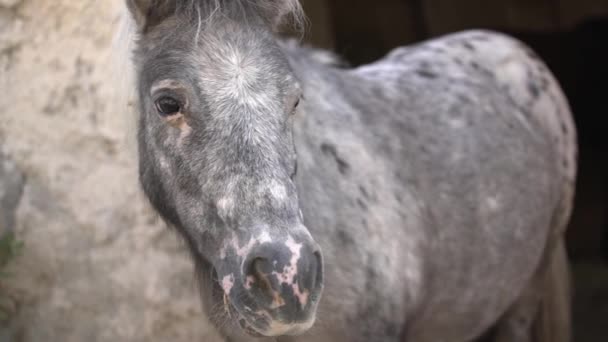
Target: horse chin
point(271, 327)
point(249, 329)
point(229, 313)
point(274, 327)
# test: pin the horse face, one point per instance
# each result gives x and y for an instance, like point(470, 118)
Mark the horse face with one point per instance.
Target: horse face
point(217, 161)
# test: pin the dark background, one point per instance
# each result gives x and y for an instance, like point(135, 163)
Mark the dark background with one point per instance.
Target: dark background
point(571, 36)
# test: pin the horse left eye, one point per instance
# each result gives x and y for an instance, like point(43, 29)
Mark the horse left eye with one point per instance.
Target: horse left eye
point(167, 106)
point(295, 106)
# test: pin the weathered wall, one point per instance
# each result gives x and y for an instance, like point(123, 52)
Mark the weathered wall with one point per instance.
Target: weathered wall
point(97, 264)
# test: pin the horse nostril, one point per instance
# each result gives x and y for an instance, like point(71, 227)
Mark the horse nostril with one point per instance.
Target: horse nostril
point(258, 272)
point(286, 276)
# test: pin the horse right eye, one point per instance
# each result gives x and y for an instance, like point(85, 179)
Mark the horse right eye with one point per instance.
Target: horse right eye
point(167, 106)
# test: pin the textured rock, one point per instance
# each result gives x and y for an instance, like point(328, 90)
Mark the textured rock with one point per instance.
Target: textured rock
point(9, 3)
point(97, 264)
point(11, 189)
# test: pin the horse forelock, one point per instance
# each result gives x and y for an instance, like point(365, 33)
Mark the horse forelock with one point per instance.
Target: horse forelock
point(204, 12)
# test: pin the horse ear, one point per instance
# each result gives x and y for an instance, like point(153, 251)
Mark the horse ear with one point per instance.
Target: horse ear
point(278, 12)
point(148, 13)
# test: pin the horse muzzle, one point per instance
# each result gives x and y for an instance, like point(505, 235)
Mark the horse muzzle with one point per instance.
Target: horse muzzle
point(273, 287)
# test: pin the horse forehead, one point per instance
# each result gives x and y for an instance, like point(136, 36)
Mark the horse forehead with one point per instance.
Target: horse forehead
point(230, 62)
point(230, 71)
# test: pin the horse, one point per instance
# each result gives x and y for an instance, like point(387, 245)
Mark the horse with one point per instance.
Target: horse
point(423, 197)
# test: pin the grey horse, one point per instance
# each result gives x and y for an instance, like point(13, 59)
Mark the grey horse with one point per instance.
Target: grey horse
point(421, 198)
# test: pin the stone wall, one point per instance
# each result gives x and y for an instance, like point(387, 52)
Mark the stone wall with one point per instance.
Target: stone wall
point(97, 264)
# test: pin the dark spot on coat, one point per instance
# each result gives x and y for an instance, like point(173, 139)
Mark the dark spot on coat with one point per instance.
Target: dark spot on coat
point(564, 128)
point(345, 238)
point(475, 65)
point(463, 98)
point(399, 197)
point(426, 73)
point(364, 192)
point(544, 83)
point(330, 150)
point(378, 92)
point(361, 204)
point(469, 46)
point(370, 278)
point(533, 89)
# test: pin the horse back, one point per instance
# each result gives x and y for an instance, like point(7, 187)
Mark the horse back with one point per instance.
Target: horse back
point(481, 136)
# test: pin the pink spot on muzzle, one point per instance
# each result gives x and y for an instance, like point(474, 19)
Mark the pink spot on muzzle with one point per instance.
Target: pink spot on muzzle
point(290, 271)
point(249, 282)
point(228, 283)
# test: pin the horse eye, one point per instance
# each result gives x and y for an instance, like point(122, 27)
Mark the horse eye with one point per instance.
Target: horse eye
point(167, 106)
point(295, 107)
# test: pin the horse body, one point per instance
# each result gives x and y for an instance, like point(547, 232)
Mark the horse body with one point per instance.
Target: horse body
point(431, 188)
point(437, 181)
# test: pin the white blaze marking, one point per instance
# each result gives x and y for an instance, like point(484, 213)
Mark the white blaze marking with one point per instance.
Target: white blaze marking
point(264, 238)
point(225, 206)
point(228, 283)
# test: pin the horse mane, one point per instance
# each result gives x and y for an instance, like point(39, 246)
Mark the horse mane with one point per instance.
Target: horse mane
point(296, 49)
point(275, 12)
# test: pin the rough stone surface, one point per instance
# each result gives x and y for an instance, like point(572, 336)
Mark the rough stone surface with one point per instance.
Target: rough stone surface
point(9, 3)
point(97, 264)
point(11, 189)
